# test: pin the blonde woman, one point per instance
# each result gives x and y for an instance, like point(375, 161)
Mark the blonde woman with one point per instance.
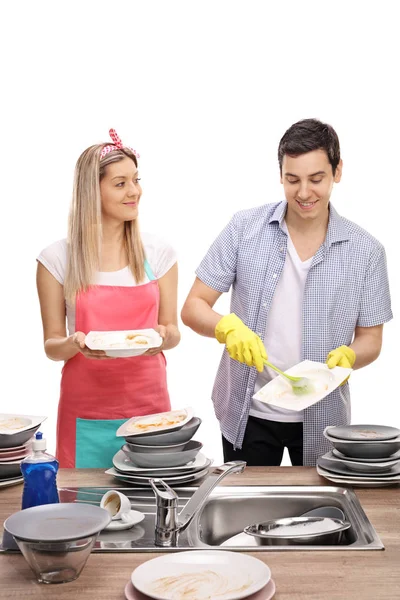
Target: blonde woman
point(106, 276)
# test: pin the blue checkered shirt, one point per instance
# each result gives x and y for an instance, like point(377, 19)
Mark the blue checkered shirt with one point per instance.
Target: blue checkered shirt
point(347, 286)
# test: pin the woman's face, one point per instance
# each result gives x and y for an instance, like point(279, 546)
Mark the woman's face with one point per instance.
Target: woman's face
point(120, 191)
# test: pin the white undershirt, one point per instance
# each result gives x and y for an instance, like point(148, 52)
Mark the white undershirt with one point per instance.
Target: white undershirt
point(160, 256)
point(284, 332)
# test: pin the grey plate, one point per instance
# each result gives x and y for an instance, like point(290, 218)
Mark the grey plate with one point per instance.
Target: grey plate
point(392, 457)
point(172, 459)
point(144, 481)
point(57, 522)
point(11, 469)
point(366, 482)
point(336, 466)
point(356, 449)
point(267, 531)
point(364, 433)
point(10, 440)
point(366, 467)
point(173, 471)
point(184, 434)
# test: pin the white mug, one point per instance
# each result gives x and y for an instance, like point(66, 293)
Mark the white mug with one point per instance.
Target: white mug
point(117, 505)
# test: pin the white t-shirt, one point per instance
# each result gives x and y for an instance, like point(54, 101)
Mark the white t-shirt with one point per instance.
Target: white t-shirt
point(160, 256)
point(284, 331)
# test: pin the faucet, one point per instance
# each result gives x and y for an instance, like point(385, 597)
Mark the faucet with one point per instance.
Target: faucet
point(168, 523)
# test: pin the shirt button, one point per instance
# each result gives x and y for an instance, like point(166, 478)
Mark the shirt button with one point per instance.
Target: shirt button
point(281, 249)
point(265, 305)
point(274, 275)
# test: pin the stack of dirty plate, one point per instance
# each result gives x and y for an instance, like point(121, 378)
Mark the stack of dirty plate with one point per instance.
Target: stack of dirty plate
point(362, 455)
point(16, 432)
point(160, 445)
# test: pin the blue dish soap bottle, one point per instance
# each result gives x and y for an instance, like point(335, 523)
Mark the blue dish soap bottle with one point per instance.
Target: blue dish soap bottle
point(39, 470)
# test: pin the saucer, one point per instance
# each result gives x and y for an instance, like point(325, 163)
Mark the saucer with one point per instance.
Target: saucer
point(135, 517)
point(266, 593)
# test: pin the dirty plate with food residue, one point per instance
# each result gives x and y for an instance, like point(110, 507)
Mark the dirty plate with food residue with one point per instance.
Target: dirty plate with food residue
point(279, 391)
point(364, 432)
point(165, 421)
point(123, 344)
point(201, 575)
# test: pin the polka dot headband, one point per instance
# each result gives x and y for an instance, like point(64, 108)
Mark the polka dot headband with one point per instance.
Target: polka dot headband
point(116, 145)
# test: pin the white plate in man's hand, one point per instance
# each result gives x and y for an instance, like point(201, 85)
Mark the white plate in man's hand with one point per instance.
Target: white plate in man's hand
point(324, 380)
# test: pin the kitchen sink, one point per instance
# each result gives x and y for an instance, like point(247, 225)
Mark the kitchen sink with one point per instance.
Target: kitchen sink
point(227, 511)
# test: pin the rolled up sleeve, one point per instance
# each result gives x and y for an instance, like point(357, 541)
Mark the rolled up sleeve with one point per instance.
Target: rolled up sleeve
point(375, 307)
point(218, 267)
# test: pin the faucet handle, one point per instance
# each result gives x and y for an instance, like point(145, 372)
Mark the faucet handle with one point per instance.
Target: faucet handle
point(166, 496)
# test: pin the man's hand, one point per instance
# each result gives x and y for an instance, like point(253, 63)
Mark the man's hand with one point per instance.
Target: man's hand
point(241, 343)
point(341, 357)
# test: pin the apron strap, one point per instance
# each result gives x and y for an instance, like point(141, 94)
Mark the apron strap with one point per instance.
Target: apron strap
point(148, 270)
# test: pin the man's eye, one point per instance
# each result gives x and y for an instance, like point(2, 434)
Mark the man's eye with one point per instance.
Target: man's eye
point(315, 180)
point(292, 181)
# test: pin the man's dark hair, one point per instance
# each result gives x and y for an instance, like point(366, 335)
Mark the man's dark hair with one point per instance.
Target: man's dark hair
point(308, 135)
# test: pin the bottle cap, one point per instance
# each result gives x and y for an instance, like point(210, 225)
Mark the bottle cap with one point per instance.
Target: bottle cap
point(39, 443)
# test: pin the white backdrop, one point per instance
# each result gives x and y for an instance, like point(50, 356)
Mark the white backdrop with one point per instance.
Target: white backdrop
point(204, 90)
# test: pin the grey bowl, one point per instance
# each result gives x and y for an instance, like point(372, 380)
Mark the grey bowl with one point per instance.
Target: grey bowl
point(170, 459)
point(11, 440)
point(367, 449)
point(268, 533)
point(133, 448)
point(184, 434)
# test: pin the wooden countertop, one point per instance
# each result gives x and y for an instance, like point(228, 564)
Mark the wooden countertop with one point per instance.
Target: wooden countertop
point(358, 575)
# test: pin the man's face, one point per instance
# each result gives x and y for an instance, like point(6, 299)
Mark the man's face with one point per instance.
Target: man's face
point(308, 181)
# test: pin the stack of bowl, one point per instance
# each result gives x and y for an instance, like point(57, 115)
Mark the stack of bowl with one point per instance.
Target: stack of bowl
point(171, 454)
point(16, 432)
point(362, 455)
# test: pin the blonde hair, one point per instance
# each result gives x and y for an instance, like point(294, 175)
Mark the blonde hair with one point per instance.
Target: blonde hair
point(84, 224)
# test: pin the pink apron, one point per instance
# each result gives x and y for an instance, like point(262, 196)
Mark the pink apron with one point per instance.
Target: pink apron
point(97, 396)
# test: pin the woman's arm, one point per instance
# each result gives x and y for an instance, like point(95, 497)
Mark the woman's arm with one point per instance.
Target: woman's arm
point(57, 345)
point(168, 311)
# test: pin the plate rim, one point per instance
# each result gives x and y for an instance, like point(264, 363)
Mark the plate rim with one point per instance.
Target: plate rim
point(189, 414)
point(355, 439)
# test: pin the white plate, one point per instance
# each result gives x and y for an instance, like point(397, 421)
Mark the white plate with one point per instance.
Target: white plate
point(165, 421)
point(122, 463)
point(122, 344)
point(358, 481)
point(10, 481)
point(279, 391)
point(208, 573)
point(12, 423)
point(144, 481)
point(135, 517)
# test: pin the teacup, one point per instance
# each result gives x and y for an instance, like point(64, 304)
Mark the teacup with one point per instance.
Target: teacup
point(117, 505)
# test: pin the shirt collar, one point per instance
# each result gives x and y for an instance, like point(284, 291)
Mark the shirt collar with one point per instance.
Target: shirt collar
point(336, 228)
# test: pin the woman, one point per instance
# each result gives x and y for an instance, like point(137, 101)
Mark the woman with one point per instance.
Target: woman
point(106, 277)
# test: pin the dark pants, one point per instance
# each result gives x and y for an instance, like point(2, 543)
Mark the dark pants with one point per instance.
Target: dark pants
point(264, 442)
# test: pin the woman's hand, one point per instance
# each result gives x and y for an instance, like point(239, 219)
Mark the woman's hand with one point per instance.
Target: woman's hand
point(78, 339)
point(170, 338)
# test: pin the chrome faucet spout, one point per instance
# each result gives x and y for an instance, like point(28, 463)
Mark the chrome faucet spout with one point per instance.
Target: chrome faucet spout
point(168, 525)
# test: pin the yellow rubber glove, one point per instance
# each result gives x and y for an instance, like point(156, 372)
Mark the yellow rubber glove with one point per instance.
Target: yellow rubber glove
point(341, 357)
point(242, 344)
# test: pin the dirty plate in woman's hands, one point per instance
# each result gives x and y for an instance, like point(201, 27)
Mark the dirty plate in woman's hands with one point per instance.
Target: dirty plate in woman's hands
point(123, 344)
point(165, 421)
point(324, 380)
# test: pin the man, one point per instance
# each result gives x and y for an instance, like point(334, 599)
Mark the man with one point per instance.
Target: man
point(306, 284)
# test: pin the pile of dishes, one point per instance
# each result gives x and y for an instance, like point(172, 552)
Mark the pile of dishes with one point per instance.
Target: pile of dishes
point(362, 455)
point(16, 432)
point(202, 574)
point(160, 445)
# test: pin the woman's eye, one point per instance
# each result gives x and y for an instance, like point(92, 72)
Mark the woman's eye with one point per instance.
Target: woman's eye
point(120, 184)
point(137, 180)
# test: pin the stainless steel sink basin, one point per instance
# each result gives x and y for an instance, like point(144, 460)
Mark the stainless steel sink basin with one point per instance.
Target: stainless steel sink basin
point(227, 511)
